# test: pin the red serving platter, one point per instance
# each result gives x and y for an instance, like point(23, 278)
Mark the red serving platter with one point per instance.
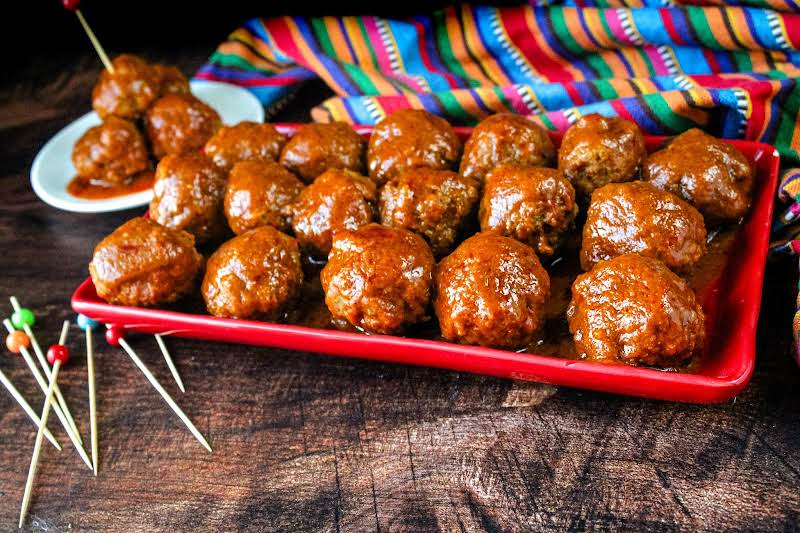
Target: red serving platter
point(731, 302)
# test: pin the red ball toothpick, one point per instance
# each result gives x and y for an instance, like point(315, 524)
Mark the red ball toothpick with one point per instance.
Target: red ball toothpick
point(58, 354)
point(74, 5)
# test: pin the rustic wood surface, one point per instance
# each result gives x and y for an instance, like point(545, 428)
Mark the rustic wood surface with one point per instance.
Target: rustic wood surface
point(308, 442)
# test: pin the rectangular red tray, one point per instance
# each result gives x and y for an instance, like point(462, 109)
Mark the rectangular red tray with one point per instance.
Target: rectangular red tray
point(733, 301)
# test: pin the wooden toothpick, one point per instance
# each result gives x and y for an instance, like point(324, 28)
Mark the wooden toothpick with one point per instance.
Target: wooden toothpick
point(88, 325)
point(58, 354)
point(170, 363)
point(114, 336)
point(44, 386)
point(24, 319)
point(12, 390)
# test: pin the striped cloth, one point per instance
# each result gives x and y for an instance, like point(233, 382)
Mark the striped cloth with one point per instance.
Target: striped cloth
point(729, 67)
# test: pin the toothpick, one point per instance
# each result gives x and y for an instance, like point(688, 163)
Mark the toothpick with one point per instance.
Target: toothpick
point(97, 46)
point(164, 394)
point(62, 403)
point(44, 386)
point(170, 363)
point(48, 401)
point(12, 390)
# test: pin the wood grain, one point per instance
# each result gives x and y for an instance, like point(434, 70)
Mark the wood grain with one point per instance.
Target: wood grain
point(308, 442)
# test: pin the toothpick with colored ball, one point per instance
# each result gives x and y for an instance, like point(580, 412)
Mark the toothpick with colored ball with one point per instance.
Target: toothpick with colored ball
point(14, 341)
point(115, 336)
point(73, 5)
point(88, 325)
point(57, 355)
point(73, 437)
point(24, 319)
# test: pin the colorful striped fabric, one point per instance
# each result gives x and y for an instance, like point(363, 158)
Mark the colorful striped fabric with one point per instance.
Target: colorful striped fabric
point(730, 69)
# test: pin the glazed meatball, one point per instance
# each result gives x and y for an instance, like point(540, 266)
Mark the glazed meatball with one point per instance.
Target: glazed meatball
point(260, 193)
point(598, 150)
point(337, 200)
point(188, 194)
point(378, 279)
point(110, 153)
point(636, 217)
point(491, 291)
point(711, 175)
point(256, 275)
point(316, 148)
point(144, 264)
point(411, 138)
point(632, 309)
point(534, 205)
point(171, 80)
point(129, 91)
point(432, 203)
point(505, 138)
point(180, 123)
point(246, 140)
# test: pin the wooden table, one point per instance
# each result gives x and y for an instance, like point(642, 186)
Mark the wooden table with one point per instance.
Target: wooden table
point(308, 442)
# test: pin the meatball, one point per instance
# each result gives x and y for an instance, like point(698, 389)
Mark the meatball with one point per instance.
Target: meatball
point(256, 275)
point(711, 175)
point(316, 148)
point(491, 291)
point(110, 153)
point(144, 264)
point(411, 138)
point(632, 309)
point(636, 217)
point(180, 123)
point(378, 279)
point(432, 203)
point(260, 193)
point(188, 194)
point(246, 140)
point(129, 91)
point(505, 138)
point(534, 205)
point(337, 200)
point(598, 150)
point(171, 80)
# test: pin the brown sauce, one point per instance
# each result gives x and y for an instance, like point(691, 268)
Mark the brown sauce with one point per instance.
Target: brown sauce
point(555, 338)
point(88, 189)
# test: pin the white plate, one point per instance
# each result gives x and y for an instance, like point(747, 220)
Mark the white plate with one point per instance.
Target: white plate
point(52, 169)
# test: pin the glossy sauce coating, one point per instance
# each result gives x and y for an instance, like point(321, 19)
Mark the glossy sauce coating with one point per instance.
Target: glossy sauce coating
point(145, 264)
point(378, 279)
point(634, 310)
point(597, 150)
point(505, 138)
point(246, 140)
point(433, 203)
point(111, 153)
point(171, 80)
point(129, 91)
point(534, 205)
point(337, 200)
point(491, 291)
point(256, 275)
point(411, 138)
point(260, 193)
point(711, 175)
point(636, 217)
point(316, 148)
point(188, 194)
point(180, 123)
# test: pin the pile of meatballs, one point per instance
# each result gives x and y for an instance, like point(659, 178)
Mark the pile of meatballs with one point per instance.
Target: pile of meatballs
point(148, 111)
point(412, 226)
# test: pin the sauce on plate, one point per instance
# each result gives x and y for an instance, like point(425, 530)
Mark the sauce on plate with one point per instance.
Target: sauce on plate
point(88, 189)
